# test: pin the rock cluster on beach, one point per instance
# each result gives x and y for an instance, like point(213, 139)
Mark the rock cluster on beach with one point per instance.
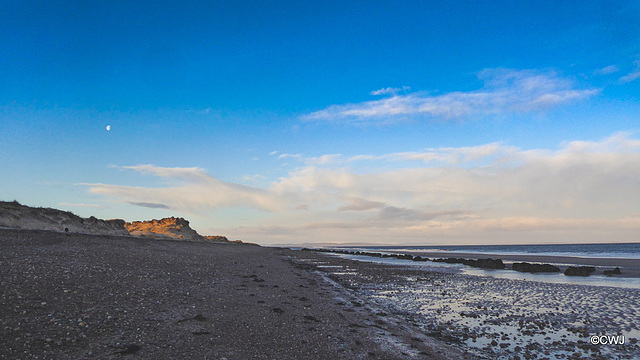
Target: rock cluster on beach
point(579, 270)
point(615, 271)
point(534, 268)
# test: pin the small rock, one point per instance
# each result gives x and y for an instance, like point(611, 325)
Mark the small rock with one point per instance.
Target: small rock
point(129, 349)
point(615, 271)
point(579, 270)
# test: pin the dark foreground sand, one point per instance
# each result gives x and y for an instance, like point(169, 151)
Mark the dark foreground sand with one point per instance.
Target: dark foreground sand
point(68, 296)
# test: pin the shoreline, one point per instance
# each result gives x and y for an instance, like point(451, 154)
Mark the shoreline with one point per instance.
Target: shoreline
point(550, 259)
point(630, 267)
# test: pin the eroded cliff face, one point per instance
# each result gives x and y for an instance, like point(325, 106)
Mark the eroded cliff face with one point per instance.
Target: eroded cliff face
point(169, 228)
point(18, 216)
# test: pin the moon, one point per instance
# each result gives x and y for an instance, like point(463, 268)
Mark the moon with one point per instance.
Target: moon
point(108, 127)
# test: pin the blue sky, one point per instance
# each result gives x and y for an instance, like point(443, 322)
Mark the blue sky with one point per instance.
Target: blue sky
point(415, 122)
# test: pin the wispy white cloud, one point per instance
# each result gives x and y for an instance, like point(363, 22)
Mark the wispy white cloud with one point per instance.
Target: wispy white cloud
point(253, 177)
point(607, 70)
point(633, 75)
point(359, 204)
point(193, 173)
point(194, 189)
point(390, 91)
point(150, 205)
point(81, 205)
point(324, 159)
point(505, 91)
point(487, 191)
point(447, 155)
point(411, 216)
point(285, 155)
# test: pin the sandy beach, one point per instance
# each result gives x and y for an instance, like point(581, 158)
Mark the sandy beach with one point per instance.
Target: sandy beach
point(69, 296)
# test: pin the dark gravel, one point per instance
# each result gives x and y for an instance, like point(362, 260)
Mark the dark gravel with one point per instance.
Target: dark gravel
point(71, 296)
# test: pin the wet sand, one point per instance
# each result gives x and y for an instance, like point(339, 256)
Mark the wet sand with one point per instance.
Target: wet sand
point(496, 318)
point(69, 296)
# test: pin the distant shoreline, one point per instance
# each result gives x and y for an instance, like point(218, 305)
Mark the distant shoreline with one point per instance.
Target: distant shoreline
point(567, 249)
point(549, 259)
point(630, 267)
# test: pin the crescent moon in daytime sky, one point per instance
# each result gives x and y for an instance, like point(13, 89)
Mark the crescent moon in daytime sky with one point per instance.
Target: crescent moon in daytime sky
point(108, 127)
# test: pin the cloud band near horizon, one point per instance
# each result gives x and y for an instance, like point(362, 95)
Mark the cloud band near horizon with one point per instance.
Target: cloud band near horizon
point(455, 191)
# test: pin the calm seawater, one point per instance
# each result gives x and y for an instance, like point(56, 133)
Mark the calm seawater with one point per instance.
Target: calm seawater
point(621, 250)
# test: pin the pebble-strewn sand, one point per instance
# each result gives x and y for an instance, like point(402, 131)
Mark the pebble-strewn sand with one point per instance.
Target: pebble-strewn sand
point(498, 318)
point(67, 296)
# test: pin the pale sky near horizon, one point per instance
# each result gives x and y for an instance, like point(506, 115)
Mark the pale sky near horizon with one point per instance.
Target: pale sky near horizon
point(288, 122)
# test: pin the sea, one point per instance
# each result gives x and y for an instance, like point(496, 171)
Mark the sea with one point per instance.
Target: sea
point(629, 251)
point(602, 250)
